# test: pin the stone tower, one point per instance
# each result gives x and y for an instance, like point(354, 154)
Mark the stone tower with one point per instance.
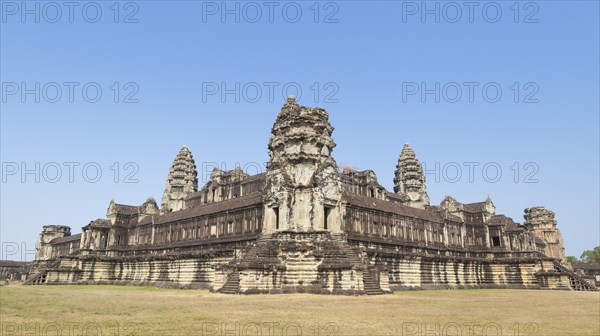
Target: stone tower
point(43, 248)
point(302, 188)
point(409, 179)
point(541, 222)
point(182, 181)
point(148, 208)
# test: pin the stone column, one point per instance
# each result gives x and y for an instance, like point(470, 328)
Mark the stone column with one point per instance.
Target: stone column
point(463, 234)
point(445, 228)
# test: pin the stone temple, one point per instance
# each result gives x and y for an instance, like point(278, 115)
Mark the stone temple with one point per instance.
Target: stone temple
point(306, 226)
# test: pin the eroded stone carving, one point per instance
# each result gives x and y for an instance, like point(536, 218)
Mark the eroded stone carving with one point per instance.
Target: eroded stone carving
point(49, 233)
point(303, 187)
point(541, 222)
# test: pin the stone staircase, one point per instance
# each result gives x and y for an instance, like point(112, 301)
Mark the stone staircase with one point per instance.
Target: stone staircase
point(577, 282)
point(371, 286)
point(232, 285)
point(355, 256)
point(301, 264)
point(261, 254)
point(39, 278)
point(299, 268)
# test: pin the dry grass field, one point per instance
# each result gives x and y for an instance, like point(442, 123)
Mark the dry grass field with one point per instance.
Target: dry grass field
point(113, 310)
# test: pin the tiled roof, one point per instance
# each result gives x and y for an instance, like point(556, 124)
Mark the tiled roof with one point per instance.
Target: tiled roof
point(454, 218)
point(66, 239)
point(206, 209)
point(126, 209)
point(587, 266)
point(255, 177)
point(101, 223)
point(394, 196)
point(12, 263)
point(474, 207)
point(386, 206)
point(508, 222)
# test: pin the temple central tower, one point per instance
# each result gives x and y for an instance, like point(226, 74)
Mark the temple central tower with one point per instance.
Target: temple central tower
point(302, 187)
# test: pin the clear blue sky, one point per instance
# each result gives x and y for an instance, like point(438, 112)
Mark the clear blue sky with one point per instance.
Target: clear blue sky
point(366, 58)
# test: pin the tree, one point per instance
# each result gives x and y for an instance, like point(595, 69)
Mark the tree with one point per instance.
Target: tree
point(573, 260)
point(591, 256)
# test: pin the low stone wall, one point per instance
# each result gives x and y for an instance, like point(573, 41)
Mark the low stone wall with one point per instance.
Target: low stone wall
point(330, 281)
point(424, 268)
point(429, 273)
point(189, 273)
point(13, 270)
point(317, 262)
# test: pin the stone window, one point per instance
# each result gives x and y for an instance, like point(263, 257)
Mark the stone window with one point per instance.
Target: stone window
point(496, 241)
point(326, 212)
point(236, 191)
point(276, 211)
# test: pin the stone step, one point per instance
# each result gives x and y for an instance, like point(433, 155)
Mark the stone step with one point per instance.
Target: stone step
point(36, 279)
point(232, 285)
point(371, 287)
point(577, 282)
